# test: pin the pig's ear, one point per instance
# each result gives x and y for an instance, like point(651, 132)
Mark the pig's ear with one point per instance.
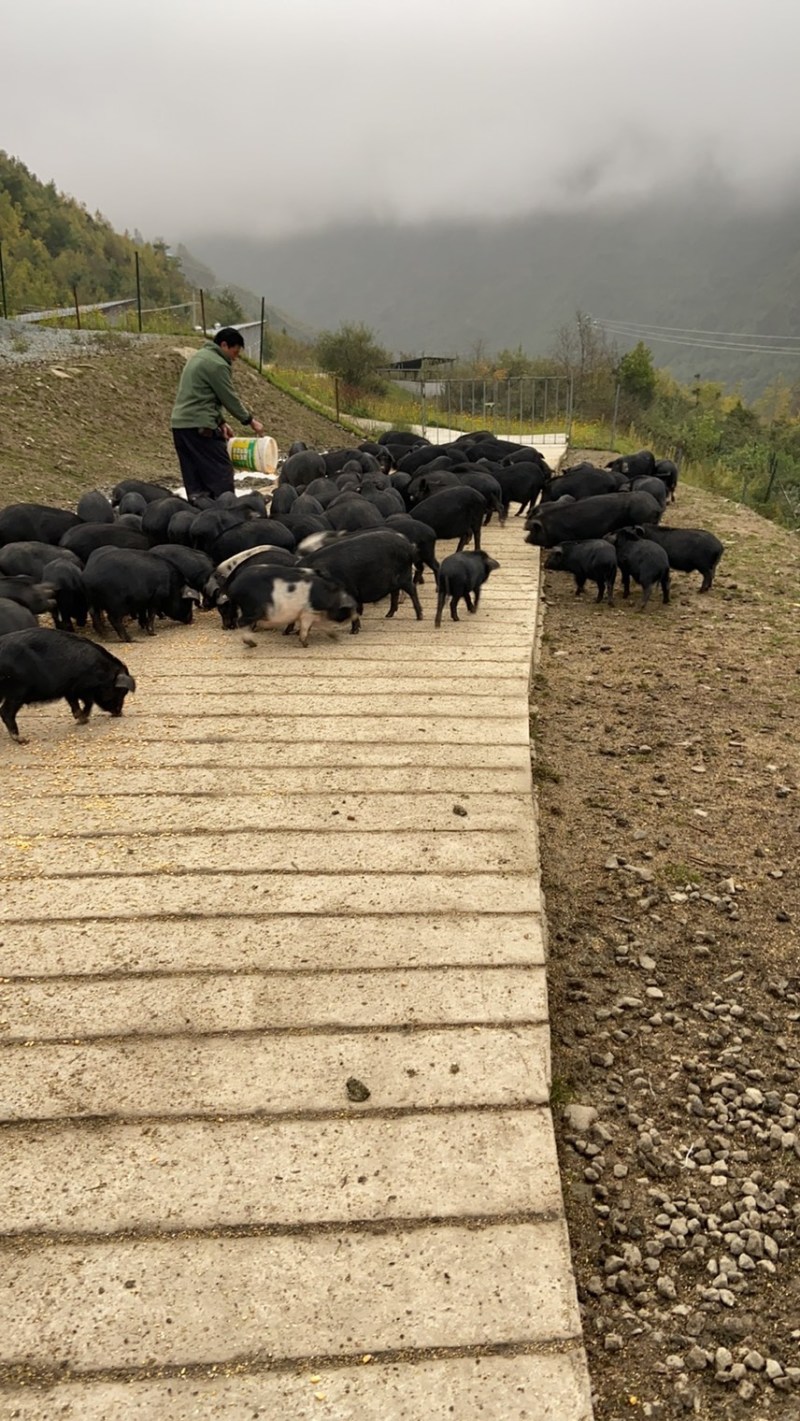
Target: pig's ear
point(124, 682)
point(639, 530)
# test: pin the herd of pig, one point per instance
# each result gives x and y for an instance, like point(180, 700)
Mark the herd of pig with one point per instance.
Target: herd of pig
point(340, 530)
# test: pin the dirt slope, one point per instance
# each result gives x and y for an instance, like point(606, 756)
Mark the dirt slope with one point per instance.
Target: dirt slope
point(71, 424)
point(669, 771)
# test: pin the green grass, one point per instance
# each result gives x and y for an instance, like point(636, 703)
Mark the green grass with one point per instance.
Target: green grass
point(309, 401)
point(561, 1093)
point(543, 773)
point(400, 407)
point(679, 873)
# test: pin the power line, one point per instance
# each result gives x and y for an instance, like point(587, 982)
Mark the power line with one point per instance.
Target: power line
point(646, 333)
point(689, 330)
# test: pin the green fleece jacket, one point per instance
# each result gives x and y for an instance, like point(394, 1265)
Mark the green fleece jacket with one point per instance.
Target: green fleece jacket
point(206, 387)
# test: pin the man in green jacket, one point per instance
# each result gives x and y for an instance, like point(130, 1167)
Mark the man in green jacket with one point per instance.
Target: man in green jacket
point(199, 430)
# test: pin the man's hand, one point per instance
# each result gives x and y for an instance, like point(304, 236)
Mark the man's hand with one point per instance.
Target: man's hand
point(256, 426)
point(227, 431)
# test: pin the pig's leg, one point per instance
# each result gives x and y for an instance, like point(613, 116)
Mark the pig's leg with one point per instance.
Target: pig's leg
point(8, 714)
point(411, 591)
point(80, 712)
point(120, 628)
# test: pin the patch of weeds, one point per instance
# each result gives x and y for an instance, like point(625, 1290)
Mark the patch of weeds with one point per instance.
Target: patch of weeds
point(680, 873)
point(544, 773)
point(20, 344)
point(561, 1092)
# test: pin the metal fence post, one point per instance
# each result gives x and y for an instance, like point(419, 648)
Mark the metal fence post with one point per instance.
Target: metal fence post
point(336, 395)
point(3, 284)
point(77, 307)
point(138, 293)
point(261, 341)
point(616, 415)
point(571, 398)
point(203, 310)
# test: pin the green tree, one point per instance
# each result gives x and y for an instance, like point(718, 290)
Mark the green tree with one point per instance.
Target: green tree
point(352, 353)
point(513, 364)
point(51, 243)
point(637, 375)
point(228, 308)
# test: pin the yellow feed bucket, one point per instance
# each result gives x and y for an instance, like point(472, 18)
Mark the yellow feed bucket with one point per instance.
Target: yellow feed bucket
point(254, 456)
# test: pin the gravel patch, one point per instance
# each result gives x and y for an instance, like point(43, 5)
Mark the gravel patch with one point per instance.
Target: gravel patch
point(22, 343)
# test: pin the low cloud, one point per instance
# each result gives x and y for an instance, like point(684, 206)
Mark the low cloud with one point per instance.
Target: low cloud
point(180, 117)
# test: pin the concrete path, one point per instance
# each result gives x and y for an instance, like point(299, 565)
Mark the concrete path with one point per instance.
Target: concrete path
point(275, 1059)
point(553, 446)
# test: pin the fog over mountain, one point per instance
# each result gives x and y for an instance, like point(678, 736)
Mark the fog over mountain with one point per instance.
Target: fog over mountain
point(697, 258)
point(440, 170)
point(179, 116)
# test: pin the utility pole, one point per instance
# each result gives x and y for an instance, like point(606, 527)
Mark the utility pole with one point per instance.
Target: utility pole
point(138, 293)
point(3, 285)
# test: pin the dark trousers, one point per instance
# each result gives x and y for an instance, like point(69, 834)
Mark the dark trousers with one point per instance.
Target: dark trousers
point(205, 466)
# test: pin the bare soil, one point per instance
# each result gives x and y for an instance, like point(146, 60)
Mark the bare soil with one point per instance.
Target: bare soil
point(91, 420)
point(669, 774)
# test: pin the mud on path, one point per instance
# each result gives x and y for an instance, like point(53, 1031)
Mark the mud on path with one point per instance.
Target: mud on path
point(667, 760)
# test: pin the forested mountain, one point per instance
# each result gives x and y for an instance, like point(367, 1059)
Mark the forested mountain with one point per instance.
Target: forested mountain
point(51, 243)
point(695, 259)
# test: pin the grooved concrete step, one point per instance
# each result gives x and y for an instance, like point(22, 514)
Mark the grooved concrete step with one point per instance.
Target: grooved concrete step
point(210, 942)
point(383, 680)
point(196, 1174)
point(539, 1386)
point(178, 1302)
point(342, 729)
point(111, 743)
point(276, 1073)
point(174, 895)
point(448, 850)
point(445, 655)
point(113, 812)
point(374, 708)
point(120, 782)
point(215, 913)
point(259, 1001)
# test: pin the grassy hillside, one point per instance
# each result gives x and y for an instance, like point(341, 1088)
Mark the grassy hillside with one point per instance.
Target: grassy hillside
point(91, 418)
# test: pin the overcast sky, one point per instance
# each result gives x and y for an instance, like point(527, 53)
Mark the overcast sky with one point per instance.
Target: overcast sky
point(267, 116)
